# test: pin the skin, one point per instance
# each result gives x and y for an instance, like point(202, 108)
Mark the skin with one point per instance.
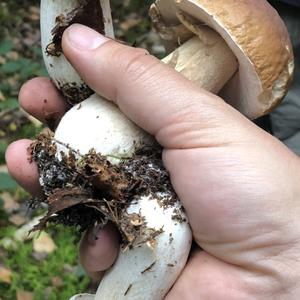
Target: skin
point(239, 185)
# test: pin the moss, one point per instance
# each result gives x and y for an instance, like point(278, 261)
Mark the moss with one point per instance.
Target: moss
point(33, 276)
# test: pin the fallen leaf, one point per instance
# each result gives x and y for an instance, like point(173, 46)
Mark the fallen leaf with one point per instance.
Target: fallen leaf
point(62, 199)
point(130, 22)
point(2, 98)
point(13, 55)
point(39, 256)
point(24, 233)
point(43, 243)
point(8, 244)
point(48, 291)
point(24, 295)
point(17, 219)
point(10, 204)
point(57, 281)
point(68, 269)
point(34, 13)
point(3, 168)
point(5, 275)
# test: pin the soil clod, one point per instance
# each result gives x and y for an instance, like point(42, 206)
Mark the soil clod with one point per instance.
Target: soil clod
point(84, 190)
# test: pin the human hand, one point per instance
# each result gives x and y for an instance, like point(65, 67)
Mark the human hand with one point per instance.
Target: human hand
point(238, 184)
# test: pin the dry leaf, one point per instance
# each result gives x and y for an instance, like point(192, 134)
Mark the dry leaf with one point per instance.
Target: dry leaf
point(10, 204)
point(8, 244)
point(48, 292)
point(13, 55)
point(3, 168)
point(5, 274)
point(43, 243)
point(2, 98)
point(34, 13)
point(23, 295)
point(68, 269)
point(129, 23)
point(17, 219)
point(57, 281)
point(24, 233)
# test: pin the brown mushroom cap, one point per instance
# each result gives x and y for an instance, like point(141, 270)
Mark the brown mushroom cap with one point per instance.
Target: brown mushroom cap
point(256, 35)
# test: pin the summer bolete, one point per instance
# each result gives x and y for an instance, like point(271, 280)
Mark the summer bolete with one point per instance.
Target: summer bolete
point(251, 29)
point(240, 48)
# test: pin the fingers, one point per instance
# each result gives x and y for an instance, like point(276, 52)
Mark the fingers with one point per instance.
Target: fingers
point(150, 93)
point(42, 100)
point(98, 250)
point(24, 172)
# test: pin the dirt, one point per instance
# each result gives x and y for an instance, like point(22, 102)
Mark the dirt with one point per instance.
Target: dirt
point(88, 13)
point(83, 191)
point(75, 93)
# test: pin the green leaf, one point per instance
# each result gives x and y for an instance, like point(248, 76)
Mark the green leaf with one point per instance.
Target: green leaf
point(6, 182)
point(10, 103)
point(5, 47)
point(3, 146)
point(11, 67)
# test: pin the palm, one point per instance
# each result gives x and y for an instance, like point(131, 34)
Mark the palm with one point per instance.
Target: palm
point(232, 204)
point(234, 208)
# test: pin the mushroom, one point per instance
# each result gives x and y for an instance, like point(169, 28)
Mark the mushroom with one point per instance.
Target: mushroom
point(240, 48)
point(252, 30)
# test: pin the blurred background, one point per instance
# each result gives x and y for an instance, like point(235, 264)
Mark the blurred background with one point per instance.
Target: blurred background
point(45, 266)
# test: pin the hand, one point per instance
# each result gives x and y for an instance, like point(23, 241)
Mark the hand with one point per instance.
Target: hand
point(239, 185)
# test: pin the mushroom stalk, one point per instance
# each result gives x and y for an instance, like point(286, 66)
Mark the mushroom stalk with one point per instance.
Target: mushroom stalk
point(209, 64)
point(56, 16)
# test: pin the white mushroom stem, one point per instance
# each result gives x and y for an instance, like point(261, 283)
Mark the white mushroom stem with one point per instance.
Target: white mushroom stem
point(59, 69)
point(209, 63)
point(150, 269)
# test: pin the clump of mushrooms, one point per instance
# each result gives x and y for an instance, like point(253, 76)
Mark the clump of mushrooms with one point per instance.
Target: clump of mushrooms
point(238, 48)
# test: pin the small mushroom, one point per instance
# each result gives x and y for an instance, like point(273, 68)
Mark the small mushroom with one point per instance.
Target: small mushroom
point(240, 48)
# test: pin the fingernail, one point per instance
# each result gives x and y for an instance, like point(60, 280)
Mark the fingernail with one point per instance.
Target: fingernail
point(84, 38)
point(94, 234)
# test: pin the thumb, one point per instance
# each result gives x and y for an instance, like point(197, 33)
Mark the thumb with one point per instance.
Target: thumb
point(150, 93)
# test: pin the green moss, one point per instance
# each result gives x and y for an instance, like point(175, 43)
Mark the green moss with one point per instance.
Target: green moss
point(34, 276)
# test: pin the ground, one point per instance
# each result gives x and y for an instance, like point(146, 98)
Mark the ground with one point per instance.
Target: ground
point(43, 266)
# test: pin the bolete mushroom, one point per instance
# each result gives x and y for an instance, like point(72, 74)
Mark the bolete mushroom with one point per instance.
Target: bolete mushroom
point(239, 47)
point(252, 30)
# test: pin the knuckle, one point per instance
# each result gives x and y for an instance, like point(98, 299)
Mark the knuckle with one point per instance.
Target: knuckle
point(132, 62)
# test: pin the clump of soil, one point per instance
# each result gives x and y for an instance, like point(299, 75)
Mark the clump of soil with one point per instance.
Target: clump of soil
point(89, 13)
point(74, 93)
point(86, 190)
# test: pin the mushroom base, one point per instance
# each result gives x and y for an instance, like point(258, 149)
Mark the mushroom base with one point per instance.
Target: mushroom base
point(84, 190)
